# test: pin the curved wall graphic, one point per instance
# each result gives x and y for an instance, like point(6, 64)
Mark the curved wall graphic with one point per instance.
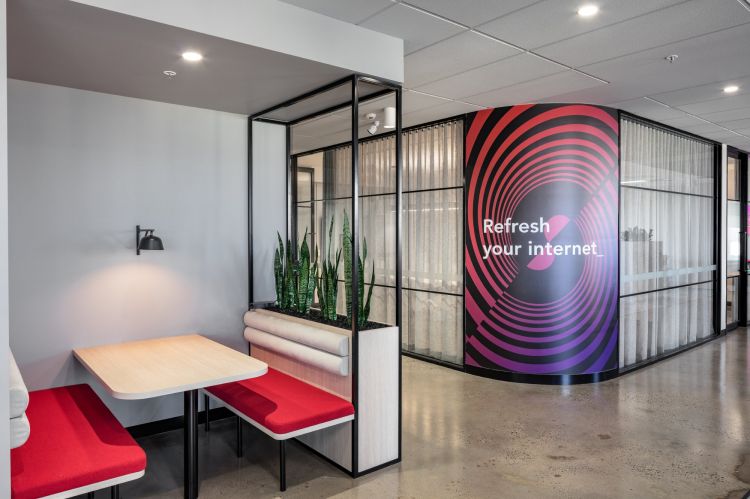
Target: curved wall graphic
point(542, 239)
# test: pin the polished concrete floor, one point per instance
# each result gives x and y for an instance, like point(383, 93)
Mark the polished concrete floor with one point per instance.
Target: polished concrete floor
point(680, 428)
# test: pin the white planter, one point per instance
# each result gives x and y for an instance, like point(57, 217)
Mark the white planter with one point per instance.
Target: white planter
point(366, 373)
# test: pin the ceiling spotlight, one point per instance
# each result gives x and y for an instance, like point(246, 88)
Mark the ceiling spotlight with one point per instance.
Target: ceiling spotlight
point(373, 129)
point(588, 10)
point(389, 117)
point(730, 89)
point(169, 73)
point(672, 58)
point(192, 56)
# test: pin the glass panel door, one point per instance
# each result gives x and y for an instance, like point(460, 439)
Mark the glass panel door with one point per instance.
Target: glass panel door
point(733, 242)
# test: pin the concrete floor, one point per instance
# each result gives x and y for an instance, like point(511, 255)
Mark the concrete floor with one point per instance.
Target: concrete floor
point(680, 428)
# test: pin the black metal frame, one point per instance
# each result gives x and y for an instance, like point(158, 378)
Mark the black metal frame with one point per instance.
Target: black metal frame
point(741, 278)
point(717, 308)
point(354, 80)
point(744, 250)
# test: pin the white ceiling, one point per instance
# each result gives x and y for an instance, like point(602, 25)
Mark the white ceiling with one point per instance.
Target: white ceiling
point(464, 55)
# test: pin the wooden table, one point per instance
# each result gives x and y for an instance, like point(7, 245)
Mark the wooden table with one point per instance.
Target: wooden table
point(151, 368)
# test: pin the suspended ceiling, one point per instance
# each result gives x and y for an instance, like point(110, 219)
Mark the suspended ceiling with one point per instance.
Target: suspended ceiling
point(467, 55)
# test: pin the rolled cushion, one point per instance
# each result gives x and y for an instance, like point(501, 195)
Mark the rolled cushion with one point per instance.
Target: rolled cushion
point(76, 442)
point(328, 362)
point(282, 403)
point(19, 431)
point(311, 336)
point(19, 394)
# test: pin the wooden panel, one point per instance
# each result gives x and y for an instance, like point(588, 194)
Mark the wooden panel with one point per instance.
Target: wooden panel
point(338, 385)
point(150, 368)
point(335, 443)
point(378, 395)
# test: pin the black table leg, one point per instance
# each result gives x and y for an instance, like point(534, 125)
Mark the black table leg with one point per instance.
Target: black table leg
point(191, 444)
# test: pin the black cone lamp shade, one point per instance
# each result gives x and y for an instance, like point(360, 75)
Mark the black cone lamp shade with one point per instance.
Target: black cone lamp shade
point(148, 242)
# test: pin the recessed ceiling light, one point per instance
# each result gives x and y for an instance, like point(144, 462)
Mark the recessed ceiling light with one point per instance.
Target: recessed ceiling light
point(169, 73)
point(588, 10)
point(730, 89)
point(192, 56)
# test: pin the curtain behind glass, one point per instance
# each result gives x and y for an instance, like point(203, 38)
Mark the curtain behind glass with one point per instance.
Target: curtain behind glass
point(667, 259)
point(433, 241)
point(432, 231)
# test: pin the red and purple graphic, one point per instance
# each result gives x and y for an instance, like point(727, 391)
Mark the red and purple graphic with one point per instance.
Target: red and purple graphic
point(542, 239)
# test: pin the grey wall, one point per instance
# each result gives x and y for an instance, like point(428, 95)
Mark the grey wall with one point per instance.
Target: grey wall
point(4, 396)
point(84, 169)
point(269, 204)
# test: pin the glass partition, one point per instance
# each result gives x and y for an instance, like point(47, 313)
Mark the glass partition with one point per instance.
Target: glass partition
point(432, 214)
point(667, 257)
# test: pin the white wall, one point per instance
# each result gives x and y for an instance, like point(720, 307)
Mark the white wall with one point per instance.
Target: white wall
point(84, 169)
point(269, 204)
point(4, 396)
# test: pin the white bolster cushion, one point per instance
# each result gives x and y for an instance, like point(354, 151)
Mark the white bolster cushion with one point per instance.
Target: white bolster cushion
point(19, 431)
point(19, 394)
point(323, 360)
point(320, 339)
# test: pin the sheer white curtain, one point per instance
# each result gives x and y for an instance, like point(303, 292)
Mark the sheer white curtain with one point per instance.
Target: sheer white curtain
point(667, 228)
point(433, 241)
point(432, 231)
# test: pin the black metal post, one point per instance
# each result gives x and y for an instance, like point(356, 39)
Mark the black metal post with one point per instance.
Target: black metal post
point(90, 495)
point(355, 268)
point(207, 406)
point(239, 437)
point(114, 492)
point(191, 444)
point(282, 465)
point(399, 264)
point(250, 266)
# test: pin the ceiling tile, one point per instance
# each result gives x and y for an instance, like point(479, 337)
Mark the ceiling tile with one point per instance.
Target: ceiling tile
point(414, 101)
point(459, 53)
point(351, 11)
point(722, 117)
point(417, 29)
point(737, 125)
point(500, 74)
point(725, 104)
point(704, 93)
point(447, 110)
point(558, 20)
point(648, 109)
point(679, 22)
point(473, 12)
point(539, 90)
point(648, 74)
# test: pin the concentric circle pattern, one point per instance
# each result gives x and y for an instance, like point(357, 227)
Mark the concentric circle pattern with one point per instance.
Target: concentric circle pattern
point(542, 301)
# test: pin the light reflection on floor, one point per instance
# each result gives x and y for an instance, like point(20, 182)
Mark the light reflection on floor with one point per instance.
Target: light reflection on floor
point(676, 429)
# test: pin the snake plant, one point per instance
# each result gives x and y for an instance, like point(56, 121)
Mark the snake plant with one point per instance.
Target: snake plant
point(363, 310)
point(295, 278)
point(328, 286)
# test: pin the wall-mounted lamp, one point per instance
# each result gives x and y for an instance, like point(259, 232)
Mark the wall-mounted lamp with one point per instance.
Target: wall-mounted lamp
point(149, 241)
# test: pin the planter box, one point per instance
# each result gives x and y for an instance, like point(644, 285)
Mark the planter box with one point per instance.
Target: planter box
point(364, 370)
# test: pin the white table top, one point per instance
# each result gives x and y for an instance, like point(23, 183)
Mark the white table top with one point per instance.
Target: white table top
point(151, 368)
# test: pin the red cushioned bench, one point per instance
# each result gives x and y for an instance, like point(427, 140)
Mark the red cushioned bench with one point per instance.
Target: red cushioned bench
point(282, 407)
point(76, 446)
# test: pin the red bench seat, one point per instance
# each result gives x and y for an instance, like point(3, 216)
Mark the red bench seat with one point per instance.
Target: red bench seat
point(282, 404)
point(76, 445)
